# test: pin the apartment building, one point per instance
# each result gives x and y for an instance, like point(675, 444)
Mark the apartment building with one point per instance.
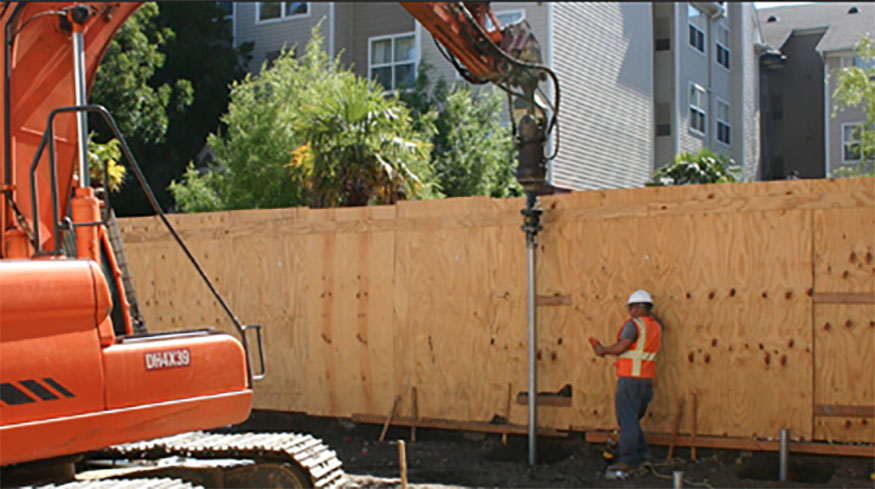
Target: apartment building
point(639, 81)
point(705, 78)
point(800, 137)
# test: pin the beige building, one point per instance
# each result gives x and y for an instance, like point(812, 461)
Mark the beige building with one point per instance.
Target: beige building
point(800, 136)
point(639, 81)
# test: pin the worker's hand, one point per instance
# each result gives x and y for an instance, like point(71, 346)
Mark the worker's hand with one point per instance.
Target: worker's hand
point(597, 347)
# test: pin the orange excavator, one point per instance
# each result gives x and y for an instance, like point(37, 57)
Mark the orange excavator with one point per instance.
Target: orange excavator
point(80, 378)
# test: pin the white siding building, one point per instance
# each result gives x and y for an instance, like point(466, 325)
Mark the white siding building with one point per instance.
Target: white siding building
point(639, 81)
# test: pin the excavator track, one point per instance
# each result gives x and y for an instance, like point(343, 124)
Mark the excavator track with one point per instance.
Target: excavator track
point(145, 483)
point(233, 460)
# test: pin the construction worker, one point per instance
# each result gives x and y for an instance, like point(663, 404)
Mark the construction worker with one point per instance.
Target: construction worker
point(636, 348)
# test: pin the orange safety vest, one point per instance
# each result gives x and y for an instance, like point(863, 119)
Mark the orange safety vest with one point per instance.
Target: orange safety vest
point(640, 359)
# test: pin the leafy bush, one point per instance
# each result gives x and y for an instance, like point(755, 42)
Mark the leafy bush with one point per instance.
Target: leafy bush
point(855, 87)
point(105, 154)
point(473, 153)
point(306, 131)
point(705, 166)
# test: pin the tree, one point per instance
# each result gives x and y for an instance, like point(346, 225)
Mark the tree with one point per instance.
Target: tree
point(306, 131)
point(855, 87)
point(704, 166)
point(166, 78)
point(473, 153)
point(122, 80)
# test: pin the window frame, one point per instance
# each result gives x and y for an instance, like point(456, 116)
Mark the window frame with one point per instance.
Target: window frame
point(703, 110)
point(845, 144)
point(718, 44)
point(718, 120)
point(283, 17)
point(697, 28)
point(393, 37)
point(520, 11)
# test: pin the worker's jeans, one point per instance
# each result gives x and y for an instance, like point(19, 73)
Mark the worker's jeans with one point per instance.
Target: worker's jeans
point(630, 402)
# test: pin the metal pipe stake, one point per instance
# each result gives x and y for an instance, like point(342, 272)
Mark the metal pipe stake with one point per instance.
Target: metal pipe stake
point(784, 454)
point(677, 479)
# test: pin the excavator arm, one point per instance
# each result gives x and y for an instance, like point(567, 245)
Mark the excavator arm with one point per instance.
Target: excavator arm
point(508, 57)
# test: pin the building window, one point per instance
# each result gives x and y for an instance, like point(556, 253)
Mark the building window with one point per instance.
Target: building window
point(697, 109)
point(723, 126)
point(697, 28)
point(392, 60)
point(662, 34)
point(663, 119)
point(270, 11)
point(506, 18)
point(851, 142)
point(723, 46)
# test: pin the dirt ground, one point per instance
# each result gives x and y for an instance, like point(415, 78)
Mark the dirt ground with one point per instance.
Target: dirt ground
point(441, 458)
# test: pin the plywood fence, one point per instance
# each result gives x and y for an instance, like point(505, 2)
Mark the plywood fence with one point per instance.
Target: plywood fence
point(766, 290)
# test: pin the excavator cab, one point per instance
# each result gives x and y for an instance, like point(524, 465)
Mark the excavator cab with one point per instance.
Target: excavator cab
point(74, 374)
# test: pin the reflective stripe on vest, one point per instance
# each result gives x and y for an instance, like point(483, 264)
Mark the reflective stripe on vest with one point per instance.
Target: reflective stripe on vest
point(631, 362)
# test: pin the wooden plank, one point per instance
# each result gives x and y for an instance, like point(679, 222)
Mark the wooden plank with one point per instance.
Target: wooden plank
point(743, 444)
point(457, 425)
point(415, 416)
point(544, 400)
point(857, 429)
point(843, 297)
point(845, 411)
point(693, 434)
point(844, 248)
point(676, 426)
point(845, 368)
point(389, 419)
point(266, 292)
point(506, 414)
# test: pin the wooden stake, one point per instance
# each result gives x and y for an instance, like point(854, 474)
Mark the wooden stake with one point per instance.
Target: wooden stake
point(677, 424)
point(415, 417)
point(693, 434)
point(506, 415)
point(402, 461)
point(389, 419)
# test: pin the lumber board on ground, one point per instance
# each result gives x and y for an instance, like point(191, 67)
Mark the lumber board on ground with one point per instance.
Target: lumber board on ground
point(743, 444)
point(449, 424)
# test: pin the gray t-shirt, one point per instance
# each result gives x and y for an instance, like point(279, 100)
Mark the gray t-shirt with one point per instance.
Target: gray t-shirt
point(631, 331)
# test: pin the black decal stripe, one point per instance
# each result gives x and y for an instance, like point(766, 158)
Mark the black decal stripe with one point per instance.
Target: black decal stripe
point(58, 387)
point(13, 395)
point(39, 390)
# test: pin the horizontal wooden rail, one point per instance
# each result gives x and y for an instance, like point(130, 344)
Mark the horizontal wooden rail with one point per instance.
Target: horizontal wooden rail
point(743, 444)
point(523, 398)
point(844, 297)
point(845, 411)
point(447, 424)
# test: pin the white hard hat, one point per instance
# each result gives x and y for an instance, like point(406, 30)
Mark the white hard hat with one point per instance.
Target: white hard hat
point(640, 296)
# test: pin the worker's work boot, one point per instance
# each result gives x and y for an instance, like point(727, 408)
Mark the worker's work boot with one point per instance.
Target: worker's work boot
point(620, 470)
